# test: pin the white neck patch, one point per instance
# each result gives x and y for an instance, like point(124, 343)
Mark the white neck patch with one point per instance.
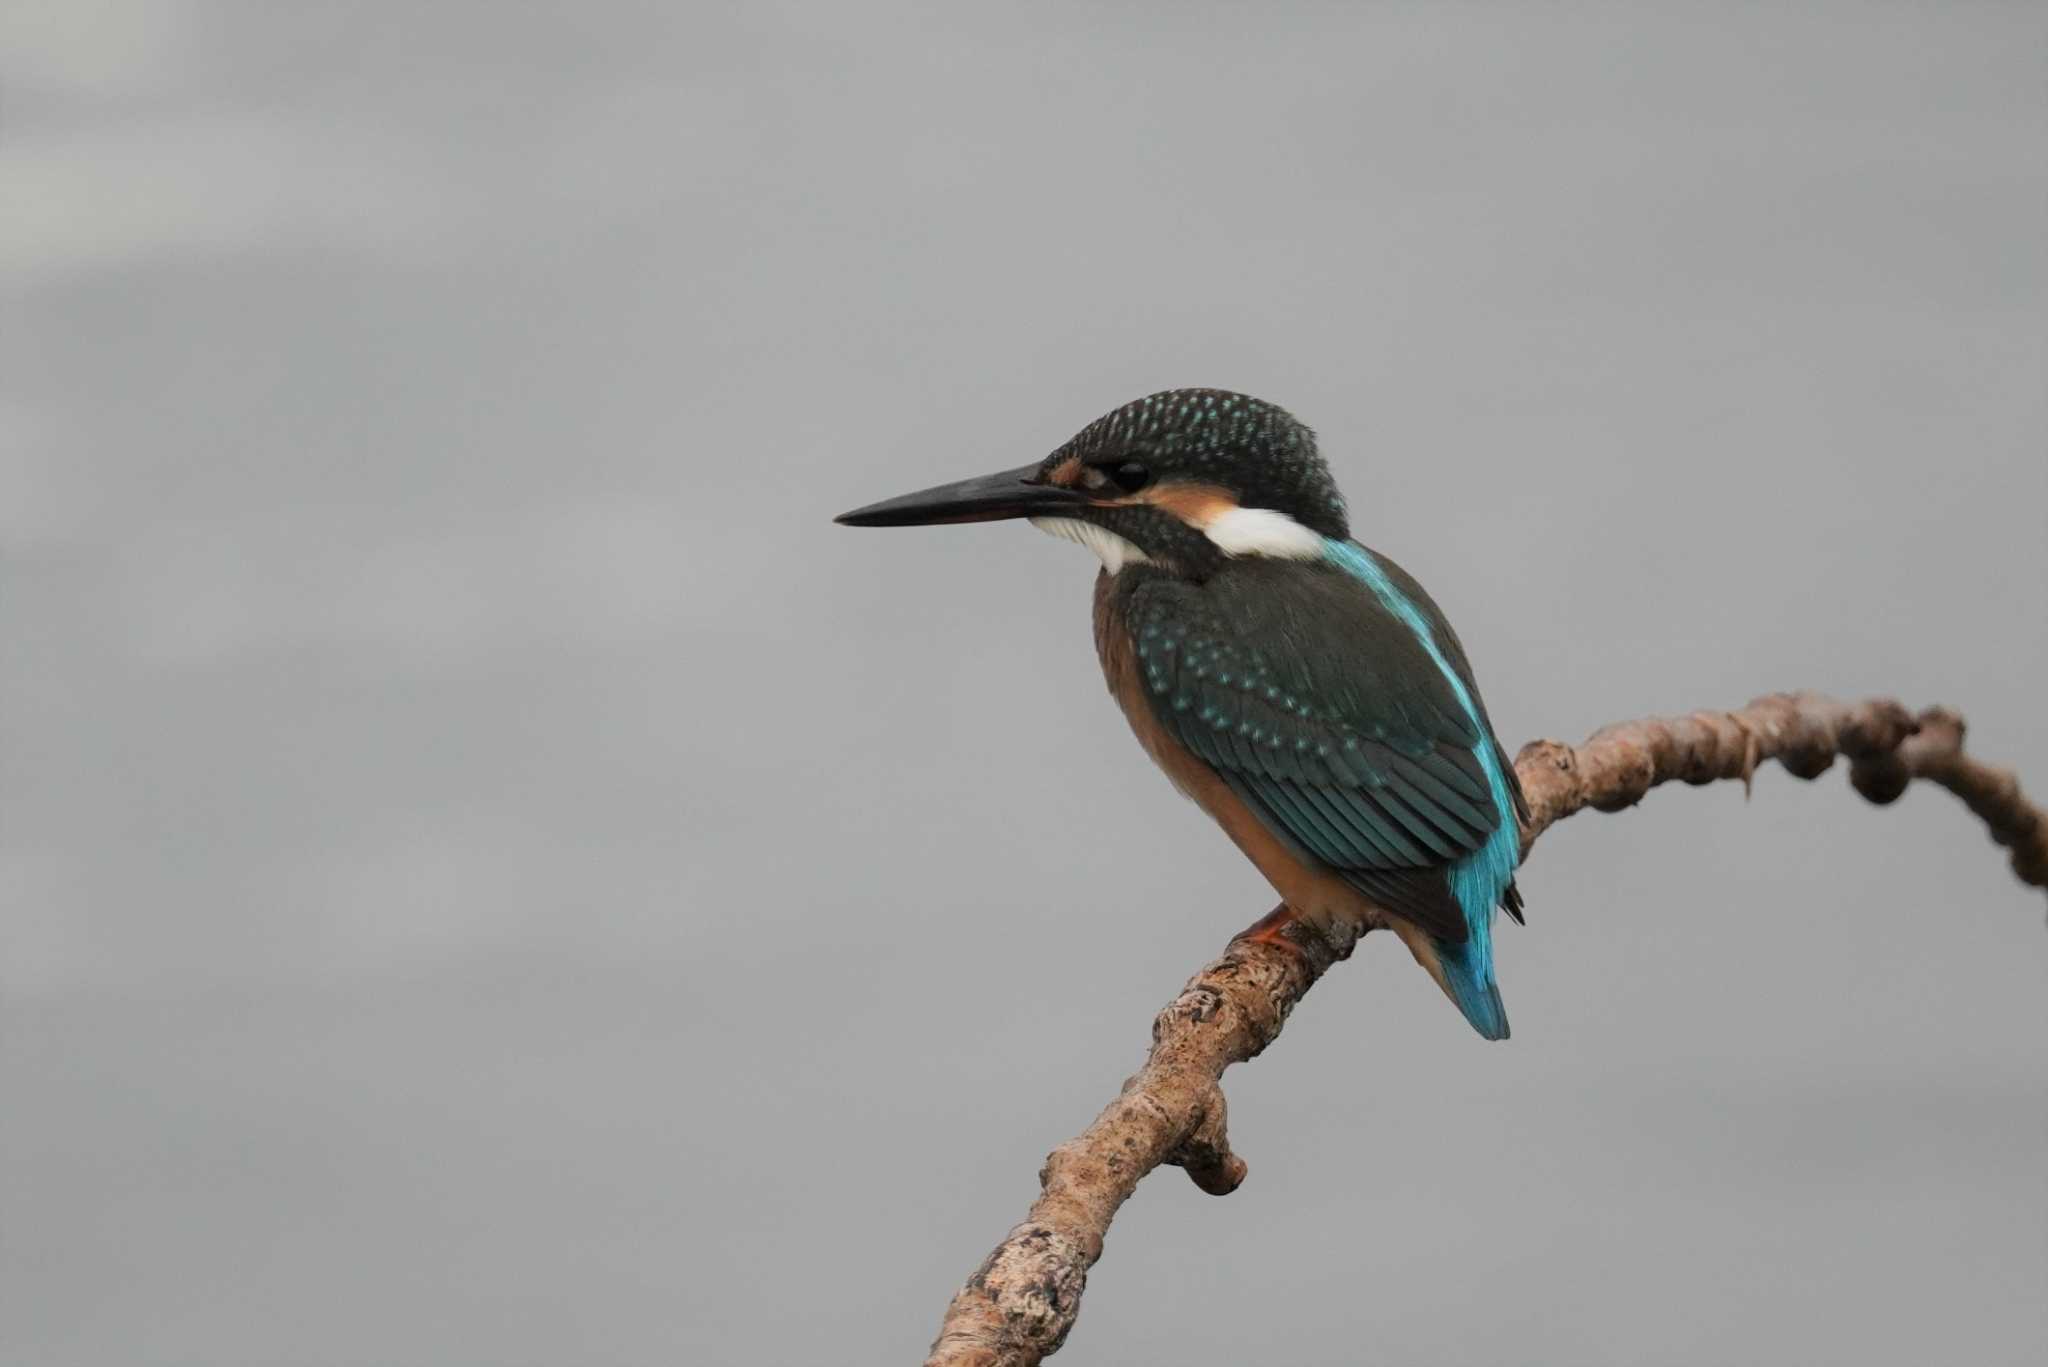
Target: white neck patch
point(1114, 551)
point(1262, 531)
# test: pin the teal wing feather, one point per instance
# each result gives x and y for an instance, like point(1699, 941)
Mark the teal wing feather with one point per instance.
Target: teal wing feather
point(1447, 638)
point(1330, 718)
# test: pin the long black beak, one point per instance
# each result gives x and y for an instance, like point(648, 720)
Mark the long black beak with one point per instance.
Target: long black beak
point(1013, 493)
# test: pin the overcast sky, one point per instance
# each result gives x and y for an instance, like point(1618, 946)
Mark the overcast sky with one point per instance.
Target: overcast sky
point(490, 875)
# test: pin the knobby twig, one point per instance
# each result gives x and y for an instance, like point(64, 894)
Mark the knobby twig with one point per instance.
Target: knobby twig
point(1025, 1296)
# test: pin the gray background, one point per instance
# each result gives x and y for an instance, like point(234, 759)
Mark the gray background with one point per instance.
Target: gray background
point(492, 876)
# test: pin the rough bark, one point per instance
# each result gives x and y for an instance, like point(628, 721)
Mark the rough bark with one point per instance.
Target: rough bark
point(1020, 1303)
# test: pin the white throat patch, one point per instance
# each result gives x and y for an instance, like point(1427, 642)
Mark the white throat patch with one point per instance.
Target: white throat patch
point(1114, 551)
point(1262, 531)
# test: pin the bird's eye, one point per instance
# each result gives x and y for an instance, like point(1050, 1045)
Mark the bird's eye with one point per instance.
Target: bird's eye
point(1131, 476)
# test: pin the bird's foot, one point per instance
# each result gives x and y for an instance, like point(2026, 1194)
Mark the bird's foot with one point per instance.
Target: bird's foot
point(1315, 945)
point(1280, 928)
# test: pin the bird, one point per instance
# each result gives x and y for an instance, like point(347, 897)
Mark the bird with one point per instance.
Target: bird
point(1300, 687)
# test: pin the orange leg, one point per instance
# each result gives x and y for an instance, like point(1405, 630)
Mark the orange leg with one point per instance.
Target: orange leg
point(1272, 929)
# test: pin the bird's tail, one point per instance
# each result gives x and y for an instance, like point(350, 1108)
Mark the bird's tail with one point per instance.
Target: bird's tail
point(1466, 972)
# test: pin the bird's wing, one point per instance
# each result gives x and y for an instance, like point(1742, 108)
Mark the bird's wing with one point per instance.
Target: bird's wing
point(1331, 718)
point(1454, 650)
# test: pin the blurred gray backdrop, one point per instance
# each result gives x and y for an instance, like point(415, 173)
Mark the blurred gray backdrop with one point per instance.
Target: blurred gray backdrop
point(492, 876)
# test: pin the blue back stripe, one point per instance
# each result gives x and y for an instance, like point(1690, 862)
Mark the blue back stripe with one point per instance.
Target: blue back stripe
point(1479, 878)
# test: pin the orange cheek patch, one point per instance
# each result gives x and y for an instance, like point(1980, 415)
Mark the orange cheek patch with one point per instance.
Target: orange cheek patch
point(1067, 472)
point(1195, 504)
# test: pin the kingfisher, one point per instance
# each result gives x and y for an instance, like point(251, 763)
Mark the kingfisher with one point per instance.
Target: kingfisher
point(1301, 688)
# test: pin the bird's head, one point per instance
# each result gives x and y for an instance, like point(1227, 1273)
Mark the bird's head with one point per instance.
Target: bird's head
point(1186, 479)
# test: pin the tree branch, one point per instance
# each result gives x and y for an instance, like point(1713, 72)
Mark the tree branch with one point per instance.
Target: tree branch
point(1025, 1296)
